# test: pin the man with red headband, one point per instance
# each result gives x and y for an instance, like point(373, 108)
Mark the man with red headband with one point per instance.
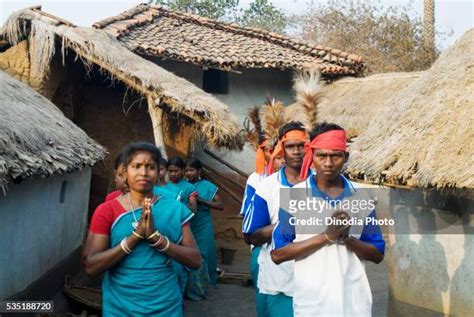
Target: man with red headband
point(330, 278)
point(275, 282)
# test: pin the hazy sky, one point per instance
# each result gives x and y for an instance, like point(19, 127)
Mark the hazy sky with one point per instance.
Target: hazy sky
point(455, 15)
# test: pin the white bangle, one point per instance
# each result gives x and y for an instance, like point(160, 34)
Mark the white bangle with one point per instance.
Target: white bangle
point(137, 235)
point(167, 246)
point(157, 243)
point(156, 233)
point(124, 246)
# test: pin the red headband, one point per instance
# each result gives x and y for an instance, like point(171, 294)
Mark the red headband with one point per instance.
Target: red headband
point(331, 140)
point(290, 135)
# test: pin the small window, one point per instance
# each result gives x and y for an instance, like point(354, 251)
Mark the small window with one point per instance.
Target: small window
point(215, 81)
point(62, 194)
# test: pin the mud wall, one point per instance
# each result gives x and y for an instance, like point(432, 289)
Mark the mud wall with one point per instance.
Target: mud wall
point(17, 61)
point(430, 252)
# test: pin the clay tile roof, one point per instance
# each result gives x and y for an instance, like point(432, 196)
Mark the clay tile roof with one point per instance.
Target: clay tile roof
point(153, 30)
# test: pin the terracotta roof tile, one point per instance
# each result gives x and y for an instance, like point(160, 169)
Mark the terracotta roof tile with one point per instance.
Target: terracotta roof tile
point(152, 30)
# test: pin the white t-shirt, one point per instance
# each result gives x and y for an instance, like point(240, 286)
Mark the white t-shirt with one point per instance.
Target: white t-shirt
point(331, 281)
point(272, 278)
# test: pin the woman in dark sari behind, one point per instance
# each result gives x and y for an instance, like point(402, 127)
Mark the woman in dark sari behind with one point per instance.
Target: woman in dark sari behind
point(203, 231)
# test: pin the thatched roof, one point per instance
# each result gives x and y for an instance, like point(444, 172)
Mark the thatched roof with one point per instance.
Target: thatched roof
point(354, 102)
point(153, 30)
point(212, 119)
point(36, 139)
point(350, 102)
point(423, 135)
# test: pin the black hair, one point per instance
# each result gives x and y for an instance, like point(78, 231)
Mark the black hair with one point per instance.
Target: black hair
point(194, 162)
point(176, 161)
point(119, 160)
point(292, 125)
point(163, 162)
point(132, 148)
point(323, 127)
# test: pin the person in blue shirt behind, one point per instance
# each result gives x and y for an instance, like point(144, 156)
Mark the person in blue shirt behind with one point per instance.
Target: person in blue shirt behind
point(274, 282)
point(262, 158)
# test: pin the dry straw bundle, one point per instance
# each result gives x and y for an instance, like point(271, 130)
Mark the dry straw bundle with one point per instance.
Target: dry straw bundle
point(36, 139)
point(424, 135)
point(212, 119)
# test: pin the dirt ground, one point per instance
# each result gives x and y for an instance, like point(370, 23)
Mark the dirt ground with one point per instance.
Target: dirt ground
point(229, 300)
point(235, 300)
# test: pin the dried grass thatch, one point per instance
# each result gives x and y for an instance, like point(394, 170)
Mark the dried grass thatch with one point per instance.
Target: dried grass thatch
point(213, 120)
point(36, 139)
point(424, 135)
point(354, 102)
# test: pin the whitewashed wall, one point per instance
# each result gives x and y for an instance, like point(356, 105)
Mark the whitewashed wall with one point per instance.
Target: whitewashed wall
point(37, 230)
point(429, 274)
point(246, 89)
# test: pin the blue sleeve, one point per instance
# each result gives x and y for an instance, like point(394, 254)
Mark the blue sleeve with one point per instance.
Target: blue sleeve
point(248, 195)
point(213, 189)
point(191, 190)
point(284, 232)
point(185, 214)
point(257, 217)
point(373, 235)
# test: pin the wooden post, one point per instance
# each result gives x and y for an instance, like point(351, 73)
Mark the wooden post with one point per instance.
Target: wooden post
point(156, 115)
